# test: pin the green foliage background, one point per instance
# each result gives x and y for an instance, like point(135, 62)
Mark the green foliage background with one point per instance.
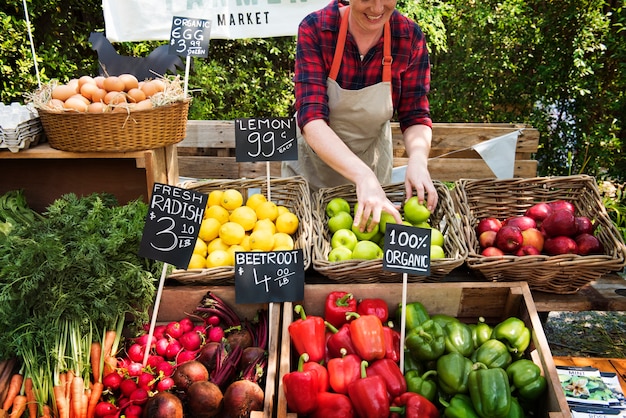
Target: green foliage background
point(558, 66)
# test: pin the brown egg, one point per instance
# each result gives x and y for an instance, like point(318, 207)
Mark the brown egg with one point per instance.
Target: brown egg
point(55, 104)
point(135, 95)
point(74, 84)
point(129, 80)
point(114, 98)
point(143, 105)
point(88, 89)
point(98, 95)
point(150, 88)
point(81, 97)
point(160, 84)
point(63, 92)
point(99, 81)
point(113, 83)
point(75, 104)
point(84, 80)
point(97, 107)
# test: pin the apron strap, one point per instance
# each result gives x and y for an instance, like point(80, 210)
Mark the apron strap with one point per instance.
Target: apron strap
point(341, 41)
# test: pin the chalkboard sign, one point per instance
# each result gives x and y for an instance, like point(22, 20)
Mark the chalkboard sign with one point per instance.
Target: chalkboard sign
point(272, 139)
point(172, 224)
point(190, 37)
point(274, 276)
point(407, 249)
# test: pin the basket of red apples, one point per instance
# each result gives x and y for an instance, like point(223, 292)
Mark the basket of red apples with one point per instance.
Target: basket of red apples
point(552, 232)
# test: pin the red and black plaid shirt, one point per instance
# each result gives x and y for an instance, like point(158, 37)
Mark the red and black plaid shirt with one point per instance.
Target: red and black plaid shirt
point(317, 37)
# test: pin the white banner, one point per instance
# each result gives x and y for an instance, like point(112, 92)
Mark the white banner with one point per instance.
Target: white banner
point(499, 154)
point(151, 20)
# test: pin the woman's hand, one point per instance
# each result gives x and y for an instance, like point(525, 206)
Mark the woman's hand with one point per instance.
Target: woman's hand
point(418, 178)
point(372, 200)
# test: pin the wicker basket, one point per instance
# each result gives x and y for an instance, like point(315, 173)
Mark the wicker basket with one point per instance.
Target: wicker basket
point(371, 271)
point(116, 131)
point(563, 274)
point(291, 192)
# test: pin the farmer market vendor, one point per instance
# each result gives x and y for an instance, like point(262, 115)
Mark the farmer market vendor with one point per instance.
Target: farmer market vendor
point(355, 67)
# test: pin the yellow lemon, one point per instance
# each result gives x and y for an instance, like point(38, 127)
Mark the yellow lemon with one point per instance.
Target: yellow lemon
point(282, 209)
point(267, 210)
point(255, 199)
point(283, 241)
point(215, 198)
point(197, 262)
point(264, 224)
point(209, 229)
point(287, 223)
point(232, 199)
point(200, 247)
point(218, 258)
point(217, 212)
point(216, 244)
point(232, 233)
point(244, 216)
point(262, 240)
point(245, 243)
point(233, 249)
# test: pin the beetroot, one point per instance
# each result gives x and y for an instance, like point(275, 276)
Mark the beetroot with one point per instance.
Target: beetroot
point(188, 373)
point(241, 398)
point(205, 399)
point(163, 405)
point(207, 355)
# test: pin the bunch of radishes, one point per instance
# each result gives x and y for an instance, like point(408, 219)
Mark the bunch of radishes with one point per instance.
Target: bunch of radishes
point(550, 228)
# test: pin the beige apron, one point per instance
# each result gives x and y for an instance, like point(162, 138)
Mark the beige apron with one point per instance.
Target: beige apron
point(361, 118)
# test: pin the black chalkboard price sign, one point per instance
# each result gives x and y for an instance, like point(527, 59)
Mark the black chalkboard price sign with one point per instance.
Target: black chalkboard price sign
point(172, 224)
point(407, 249)
point(272, 139)
point(264, 277)
point(190, 37)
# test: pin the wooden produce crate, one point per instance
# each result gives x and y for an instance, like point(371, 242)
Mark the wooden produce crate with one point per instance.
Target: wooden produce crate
point(371, 271)
point(561, 274)
point(178, 301)
point(465, 300)
point(291, 192)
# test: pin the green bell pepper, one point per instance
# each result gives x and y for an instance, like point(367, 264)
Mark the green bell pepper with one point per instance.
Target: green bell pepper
point(416, 314)
point(490, 391)
point(492, 353)
point(460, 406)
point(412, 364)
point(514, 333)
point(422, 383)
point(426, 342)
point(453, 371)
point(516, 411)
point(481, 332)
point(443, 319)
point(458, 337)
point(525, 377)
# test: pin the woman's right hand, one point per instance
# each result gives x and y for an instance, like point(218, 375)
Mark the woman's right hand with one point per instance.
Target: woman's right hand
point(372, 201)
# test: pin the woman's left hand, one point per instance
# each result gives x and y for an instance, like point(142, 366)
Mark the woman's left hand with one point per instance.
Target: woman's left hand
point(372, 201)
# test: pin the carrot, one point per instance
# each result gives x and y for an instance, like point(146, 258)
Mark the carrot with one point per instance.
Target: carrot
point(61, 401)
point(109, 340)
point(94, 398)
point(46, 412)
point(15, 385)
point(19, 406)
point(31, 400)
point(96, 358)
point(77, 396)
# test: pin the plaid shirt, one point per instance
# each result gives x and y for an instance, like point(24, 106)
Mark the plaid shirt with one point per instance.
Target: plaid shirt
point(317, 37)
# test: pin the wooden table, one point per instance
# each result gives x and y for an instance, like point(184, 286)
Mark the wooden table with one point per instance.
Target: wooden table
point(616, 365)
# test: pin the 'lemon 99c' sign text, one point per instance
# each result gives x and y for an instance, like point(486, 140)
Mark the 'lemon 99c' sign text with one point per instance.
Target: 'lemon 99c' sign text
point(407, 249)
point(172, 224)
point(272, 139)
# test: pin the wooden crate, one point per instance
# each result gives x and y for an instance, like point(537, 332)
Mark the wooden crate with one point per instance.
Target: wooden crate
point(180, 300)
point(208, 151)
point(466, 301)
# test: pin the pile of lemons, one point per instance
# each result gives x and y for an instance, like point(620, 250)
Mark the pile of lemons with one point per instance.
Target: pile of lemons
point(232, 225)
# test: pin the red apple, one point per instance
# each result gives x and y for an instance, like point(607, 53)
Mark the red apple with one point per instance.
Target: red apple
point(487, 239)
point(588, 244)
point(584, 225)
point(560, 245)
point(527, 250)
point(488, 224)
point(492, 252)
point(539, 211)
point(533, 237)
point(509, 238)
point(522, 222)
point(563, 204)
point(560, 222)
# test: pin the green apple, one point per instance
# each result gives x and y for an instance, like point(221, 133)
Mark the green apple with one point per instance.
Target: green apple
point(367, 250)
point(344, 238)
point(336, 205)
point(415, 212)
point(436, 252)
point(436, 237)
point(342, 220)
point(424, 225)
point(340, 254)
point(385, 218)
point(364, 235)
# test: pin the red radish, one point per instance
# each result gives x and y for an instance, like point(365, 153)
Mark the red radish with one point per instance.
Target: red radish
point(112, 381)
point(159, 331)
point(105, 408)
point(139, 396)
point(134, 369)
point(143, 340)
point(161, 346)
point(165, 384)
point(133, 411)
point(190, 340)
point(212, 320)
point(154, 361)
point(215, 334)
point(185, 356)
point(186, 324)
point(136, 352)
point(173, 348)
point(127, 386)
point(200, 329)
point(165, 368)
point(174, 330)
point(146, 380)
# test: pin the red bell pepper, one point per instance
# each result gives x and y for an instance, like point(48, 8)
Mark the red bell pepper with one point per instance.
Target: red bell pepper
point(301, 388)
point(368, 336)
point(337, 305)
point(339, 338)
point(374, 306)
point(333, 405)
point(391, 373)
point(369, 395)
point(321, 372)
point(308, 335)
point(342, 371)
point(413, 405)
point(392, 344)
